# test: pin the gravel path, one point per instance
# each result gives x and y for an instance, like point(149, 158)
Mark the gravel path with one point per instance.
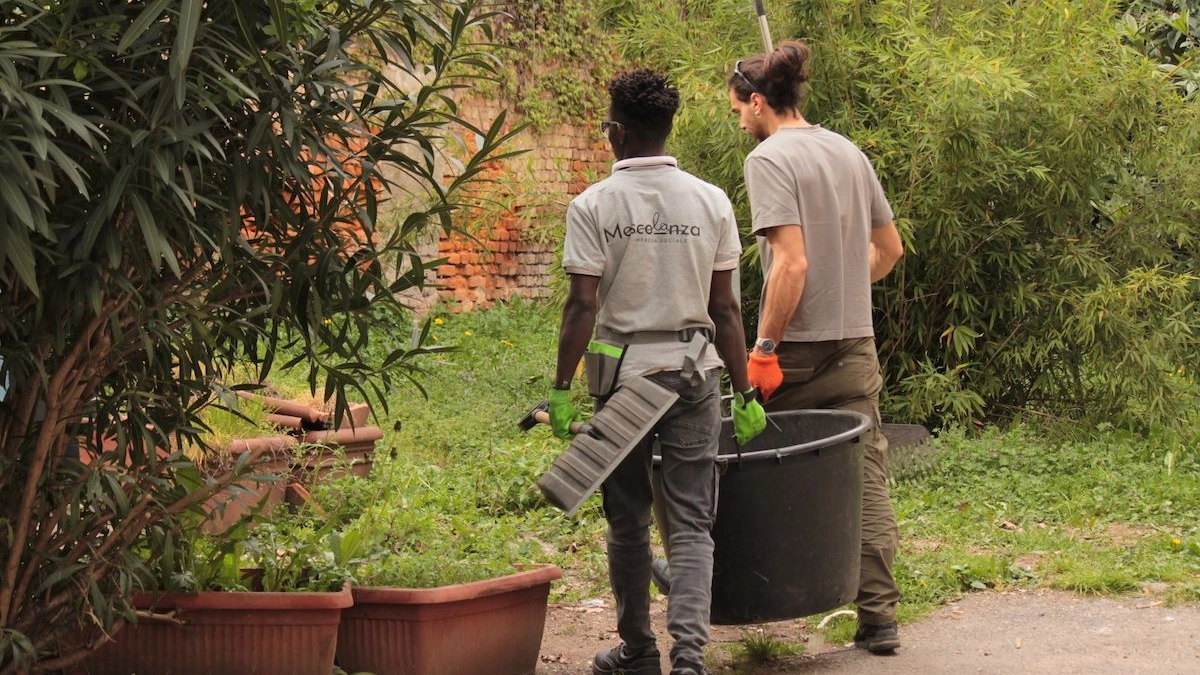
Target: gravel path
point(1015, 633)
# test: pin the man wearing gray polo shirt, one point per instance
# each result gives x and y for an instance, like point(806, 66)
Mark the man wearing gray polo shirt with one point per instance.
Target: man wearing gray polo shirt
point(651, 252)
point(826, 233)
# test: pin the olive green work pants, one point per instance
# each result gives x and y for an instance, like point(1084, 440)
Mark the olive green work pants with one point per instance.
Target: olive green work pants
point(844, 374)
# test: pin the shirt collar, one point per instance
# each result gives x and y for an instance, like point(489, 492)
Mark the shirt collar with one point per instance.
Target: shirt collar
point(642, 162)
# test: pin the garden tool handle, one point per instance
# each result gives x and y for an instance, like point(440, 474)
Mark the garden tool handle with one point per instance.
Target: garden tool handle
point(763, 28)
point(544, 417)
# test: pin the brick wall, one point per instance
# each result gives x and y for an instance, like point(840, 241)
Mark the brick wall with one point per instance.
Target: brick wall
point(513, 248)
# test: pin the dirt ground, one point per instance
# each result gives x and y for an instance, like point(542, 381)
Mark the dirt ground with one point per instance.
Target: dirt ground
point(1012, 633)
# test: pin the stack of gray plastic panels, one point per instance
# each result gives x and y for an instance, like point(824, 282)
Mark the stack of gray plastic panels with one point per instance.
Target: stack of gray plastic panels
point(625, 419)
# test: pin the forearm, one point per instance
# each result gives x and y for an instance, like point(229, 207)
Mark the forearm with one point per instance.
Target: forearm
point(886, 248)
point(785, 282)
point(785, 286)
point(730, 341)
point(578, 320)
point(881, 265)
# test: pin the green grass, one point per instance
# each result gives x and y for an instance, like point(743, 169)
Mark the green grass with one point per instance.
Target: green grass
point(1000, 509)
point(757, 648)
point(454, 477)
point(1009, 509)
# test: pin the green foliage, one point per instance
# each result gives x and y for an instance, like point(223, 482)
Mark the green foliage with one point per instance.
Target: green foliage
point(1044, 179)
point(561, 58)
point(452, 496)
point(998, 510)
point(1015, 509)
point(757, 648)
point(1168, 31)
point(189, 187)
point(458, 494)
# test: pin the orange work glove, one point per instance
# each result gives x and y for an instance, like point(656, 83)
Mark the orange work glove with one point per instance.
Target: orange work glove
point(765, 373)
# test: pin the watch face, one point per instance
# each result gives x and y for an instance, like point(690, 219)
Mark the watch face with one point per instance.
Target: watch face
point(766, 344)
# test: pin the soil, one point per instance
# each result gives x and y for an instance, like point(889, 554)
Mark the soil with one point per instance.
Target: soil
point(989, 633)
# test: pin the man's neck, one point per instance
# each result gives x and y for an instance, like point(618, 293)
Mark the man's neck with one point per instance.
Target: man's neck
point(792, 119)
point(648, 151)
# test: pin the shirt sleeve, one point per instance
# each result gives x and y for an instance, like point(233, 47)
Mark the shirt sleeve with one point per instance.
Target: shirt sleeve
point(774, 200)
point(881, 210)
point(729, 248)
point(582, 252)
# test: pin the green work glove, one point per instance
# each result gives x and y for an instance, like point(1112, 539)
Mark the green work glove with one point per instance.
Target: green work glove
point(562, 413)
point(749, 418)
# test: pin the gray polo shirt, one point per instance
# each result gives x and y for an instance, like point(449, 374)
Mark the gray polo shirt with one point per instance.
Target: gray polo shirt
point(654, 234)
point(818, 179)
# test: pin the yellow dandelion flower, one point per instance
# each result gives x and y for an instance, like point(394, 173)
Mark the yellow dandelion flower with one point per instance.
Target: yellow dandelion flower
point(438, 321)
point(507, 343)
point(328, 322)
point(1176, 542)
point(468, 333)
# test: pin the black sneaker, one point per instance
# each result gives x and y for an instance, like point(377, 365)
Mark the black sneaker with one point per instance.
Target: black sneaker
point(688, 668)
point(620, 661)
point(877, 639)
point(660, 573)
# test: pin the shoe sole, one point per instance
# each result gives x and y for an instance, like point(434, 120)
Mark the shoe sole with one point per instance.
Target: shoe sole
point(640, 669)
point(879, 646)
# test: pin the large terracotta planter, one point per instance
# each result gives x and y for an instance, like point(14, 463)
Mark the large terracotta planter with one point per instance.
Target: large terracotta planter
point(490, 627)
point(226, 634)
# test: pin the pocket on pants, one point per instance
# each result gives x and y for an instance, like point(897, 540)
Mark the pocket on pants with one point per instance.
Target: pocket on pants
point(798, 375)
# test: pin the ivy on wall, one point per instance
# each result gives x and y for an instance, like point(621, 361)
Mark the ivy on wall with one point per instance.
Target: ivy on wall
point(559, 55)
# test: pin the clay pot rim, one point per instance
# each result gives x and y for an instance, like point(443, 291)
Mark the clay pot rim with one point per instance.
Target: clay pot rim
point(537, 574)
point(270, 600)
point(344, 435)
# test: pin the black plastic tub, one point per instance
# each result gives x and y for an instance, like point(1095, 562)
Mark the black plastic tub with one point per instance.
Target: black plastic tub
point(787, 534)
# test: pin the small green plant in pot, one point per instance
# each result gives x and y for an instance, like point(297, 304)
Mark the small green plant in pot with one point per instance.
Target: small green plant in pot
point(499, 609)
point(433, 577)
point(280, 586)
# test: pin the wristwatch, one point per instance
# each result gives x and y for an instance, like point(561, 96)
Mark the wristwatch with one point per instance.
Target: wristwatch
point(766, 345)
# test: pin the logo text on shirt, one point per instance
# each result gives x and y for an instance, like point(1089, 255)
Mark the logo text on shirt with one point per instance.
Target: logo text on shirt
point(654, 228)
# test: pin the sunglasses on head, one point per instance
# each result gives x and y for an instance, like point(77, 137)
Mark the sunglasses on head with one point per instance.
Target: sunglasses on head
point(737, 69)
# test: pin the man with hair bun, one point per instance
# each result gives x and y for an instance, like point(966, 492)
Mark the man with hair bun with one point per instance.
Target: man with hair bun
point(651, 252)
point(826, 233)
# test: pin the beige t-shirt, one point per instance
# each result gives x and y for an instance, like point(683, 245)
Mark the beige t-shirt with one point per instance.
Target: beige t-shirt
point(654, 234)
point(820, 180)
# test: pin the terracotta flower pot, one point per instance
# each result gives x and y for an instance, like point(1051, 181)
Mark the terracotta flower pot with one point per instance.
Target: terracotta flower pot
point(309, 417)
point(274, 463)
point(357, 444)
point(228, 633)
point(490, 627)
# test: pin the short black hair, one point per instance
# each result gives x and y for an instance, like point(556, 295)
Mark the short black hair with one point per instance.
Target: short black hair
point(645, 101)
